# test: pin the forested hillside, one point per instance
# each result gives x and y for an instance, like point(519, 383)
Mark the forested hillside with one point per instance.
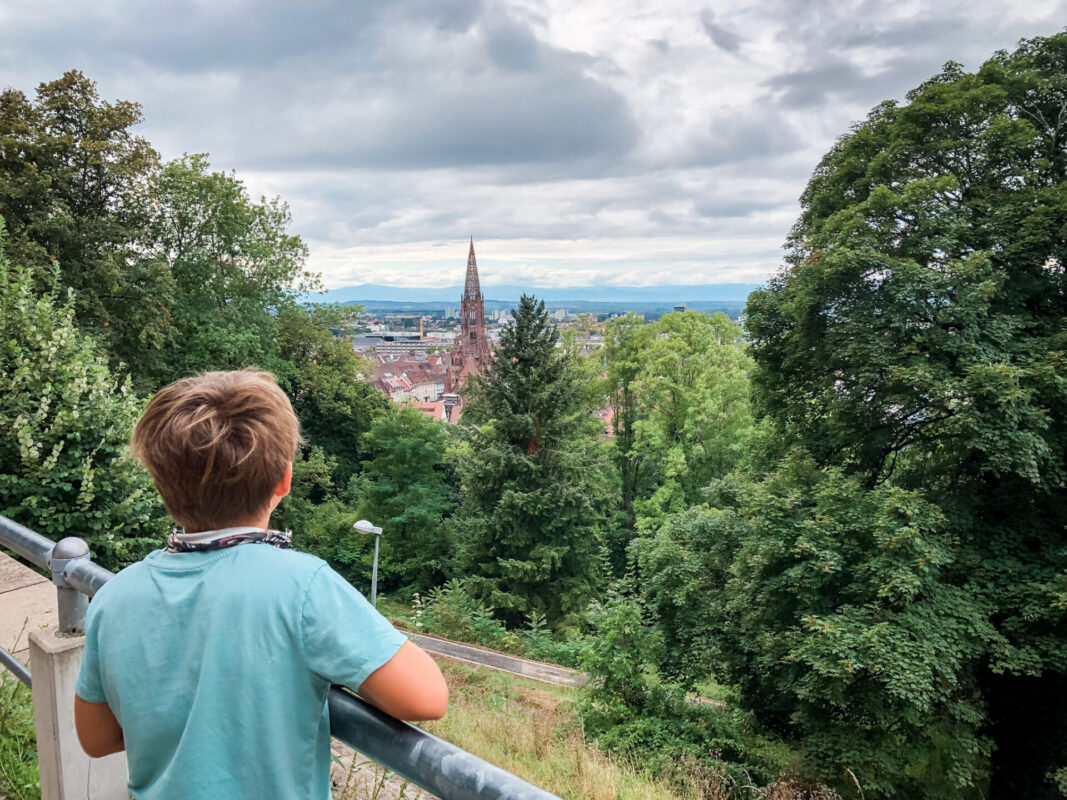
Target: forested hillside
point(845, 524)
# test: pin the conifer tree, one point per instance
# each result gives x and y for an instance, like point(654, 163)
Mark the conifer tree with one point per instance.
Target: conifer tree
point(535, 481)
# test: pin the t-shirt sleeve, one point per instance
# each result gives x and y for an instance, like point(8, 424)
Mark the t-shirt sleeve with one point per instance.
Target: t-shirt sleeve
point(89, 685)
point(345, 638)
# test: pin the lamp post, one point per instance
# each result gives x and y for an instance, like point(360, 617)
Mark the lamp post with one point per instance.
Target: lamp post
point(363, 526)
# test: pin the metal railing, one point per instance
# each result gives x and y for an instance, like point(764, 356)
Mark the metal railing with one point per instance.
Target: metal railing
point(437, 766)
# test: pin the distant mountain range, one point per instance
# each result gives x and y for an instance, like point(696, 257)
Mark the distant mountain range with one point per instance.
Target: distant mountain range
point(707, 292)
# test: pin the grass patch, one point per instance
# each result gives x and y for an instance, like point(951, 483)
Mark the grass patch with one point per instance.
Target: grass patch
point(526, 728)
point(19, 779)
point(532, 730)
point(397, 611)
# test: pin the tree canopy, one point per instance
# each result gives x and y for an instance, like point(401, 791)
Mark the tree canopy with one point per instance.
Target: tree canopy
point(916, 343)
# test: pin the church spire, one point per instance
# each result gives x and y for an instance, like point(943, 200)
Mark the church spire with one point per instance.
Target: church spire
point(471, 350)
point(472, 290)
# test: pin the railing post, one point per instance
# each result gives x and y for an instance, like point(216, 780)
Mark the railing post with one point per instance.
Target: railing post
point(67, 773)
point(72, 603)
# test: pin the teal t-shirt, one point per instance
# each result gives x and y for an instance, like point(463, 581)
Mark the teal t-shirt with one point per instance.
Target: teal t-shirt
point(217, 665)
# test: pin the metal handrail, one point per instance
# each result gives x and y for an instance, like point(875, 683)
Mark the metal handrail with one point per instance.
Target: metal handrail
point(12, 665)
point(435, 765)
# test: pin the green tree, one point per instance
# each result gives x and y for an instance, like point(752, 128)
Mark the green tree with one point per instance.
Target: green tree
point(321, 374)
point(678, 389)
point(73, 189)
point(64, 425)
point(825, 603)
point(404, 489)
point(916, 341)
point(232, 264)
point(693, 418)
point(625, 341)
point(535, 483)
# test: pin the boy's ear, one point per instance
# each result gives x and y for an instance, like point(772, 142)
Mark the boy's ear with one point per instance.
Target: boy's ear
point(286, 483)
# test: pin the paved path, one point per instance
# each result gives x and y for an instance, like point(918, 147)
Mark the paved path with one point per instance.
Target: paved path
point(27, 602)
point(536, 670)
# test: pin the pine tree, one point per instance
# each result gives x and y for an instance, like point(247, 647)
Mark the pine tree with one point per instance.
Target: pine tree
point(535, 481)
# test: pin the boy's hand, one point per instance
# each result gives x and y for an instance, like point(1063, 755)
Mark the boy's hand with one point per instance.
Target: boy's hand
point(408, 686)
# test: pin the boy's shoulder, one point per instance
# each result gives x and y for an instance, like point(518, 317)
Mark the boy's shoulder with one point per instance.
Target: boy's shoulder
point(296, 560)
point(269, 562)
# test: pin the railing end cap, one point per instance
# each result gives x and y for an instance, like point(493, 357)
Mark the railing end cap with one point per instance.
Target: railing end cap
point(70, 547)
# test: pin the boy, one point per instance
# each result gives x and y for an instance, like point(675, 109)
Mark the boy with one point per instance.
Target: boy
point(209, 661)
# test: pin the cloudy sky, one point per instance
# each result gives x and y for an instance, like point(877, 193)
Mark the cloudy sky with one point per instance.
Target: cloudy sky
point(579, 141)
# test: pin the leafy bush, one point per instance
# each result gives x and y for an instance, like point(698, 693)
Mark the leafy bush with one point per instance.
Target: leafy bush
point(64, 426)
point(629, 709)
point(541, 643)
point(452, 612)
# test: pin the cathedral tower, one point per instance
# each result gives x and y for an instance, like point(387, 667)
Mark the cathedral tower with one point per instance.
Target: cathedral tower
point(470, 351)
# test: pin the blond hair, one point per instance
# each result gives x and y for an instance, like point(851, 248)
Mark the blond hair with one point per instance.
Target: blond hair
point(216, 445)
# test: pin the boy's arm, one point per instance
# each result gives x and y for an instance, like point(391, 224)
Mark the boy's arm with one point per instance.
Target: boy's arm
point(347, 642)
point(408, 686)
point(98, 731)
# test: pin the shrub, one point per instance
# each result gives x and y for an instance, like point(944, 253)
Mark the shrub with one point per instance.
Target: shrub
point(64, 426)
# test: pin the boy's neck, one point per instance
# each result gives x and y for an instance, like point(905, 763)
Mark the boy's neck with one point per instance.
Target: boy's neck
point(262, 521)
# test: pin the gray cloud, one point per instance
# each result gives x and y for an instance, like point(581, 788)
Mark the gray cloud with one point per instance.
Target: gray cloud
point(348, 84)
point(825, 80)
point(620, 143)
point(726, 39)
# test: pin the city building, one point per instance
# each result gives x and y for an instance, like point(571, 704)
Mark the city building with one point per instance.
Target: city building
point(397, 343)
point(471, 350)
point(435, 410)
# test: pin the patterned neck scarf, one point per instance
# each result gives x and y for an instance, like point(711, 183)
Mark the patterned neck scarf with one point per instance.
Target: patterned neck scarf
point(182, 542)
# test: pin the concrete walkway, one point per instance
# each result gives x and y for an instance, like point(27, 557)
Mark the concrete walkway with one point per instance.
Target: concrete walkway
point(27, 602)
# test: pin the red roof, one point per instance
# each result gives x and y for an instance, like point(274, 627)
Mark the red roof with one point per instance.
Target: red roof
point(435, 410)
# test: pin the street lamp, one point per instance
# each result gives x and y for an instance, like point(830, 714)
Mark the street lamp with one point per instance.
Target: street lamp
point(363, 526)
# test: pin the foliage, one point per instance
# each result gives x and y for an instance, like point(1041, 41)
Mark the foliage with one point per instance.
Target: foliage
point(534, 480)
point(73, 181)
point(916, 342)
point(694, 418)
point(825, 603)
point(452, 612)
point(404, 489)
point(64, 424)
point(540, 643)
point(231, 263)
point(319, 372)
point(624, 343)
point(629, 710)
